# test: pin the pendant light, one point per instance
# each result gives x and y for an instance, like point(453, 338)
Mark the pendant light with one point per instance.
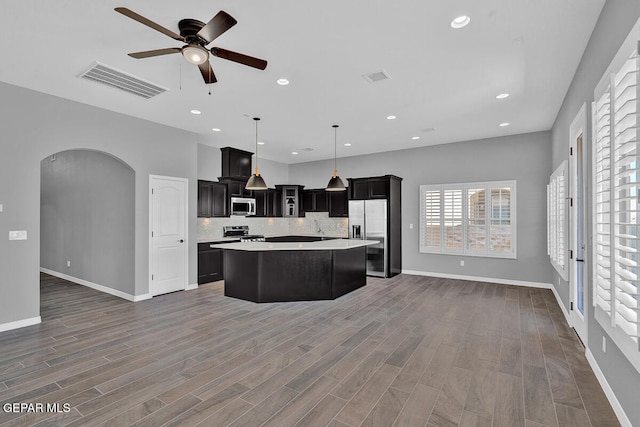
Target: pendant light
point(256, 182)
point(335, 183)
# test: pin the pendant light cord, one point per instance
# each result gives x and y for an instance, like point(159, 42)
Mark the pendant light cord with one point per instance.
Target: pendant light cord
point(335, 149)
point(256, 119)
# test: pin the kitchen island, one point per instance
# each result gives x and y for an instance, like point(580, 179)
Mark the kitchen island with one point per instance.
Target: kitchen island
point(293, 271)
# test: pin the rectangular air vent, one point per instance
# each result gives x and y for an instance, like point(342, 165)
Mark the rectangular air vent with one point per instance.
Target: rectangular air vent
point(376, 77)
point(104, 74)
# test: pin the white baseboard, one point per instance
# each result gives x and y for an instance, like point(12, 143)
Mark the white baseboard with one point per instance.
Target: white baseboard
point(191, 287)
point(480, 279)
point(608, 391)
point(20, 323)
point(106, 290)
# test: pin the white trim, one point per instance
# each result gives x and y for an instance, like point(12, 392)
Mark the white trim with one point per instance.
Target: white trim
point(191, 287)
point(480, 279)
point(20, 323)
point(580, 321)
point(101, 288)
point(608, 391)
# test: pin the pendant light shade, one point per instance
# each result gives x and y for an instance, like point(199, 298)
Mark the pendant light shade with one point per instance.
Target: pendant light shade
point(256, 182)
point(335, 183)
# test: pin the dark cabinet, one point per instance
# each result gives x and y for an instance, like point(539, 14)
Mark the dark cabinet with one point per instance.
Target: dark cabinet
point(265, 202)
point(235, 187)
point(236, 163)
point(369, 188)
point(338, 203)
point(316, 200)
point(210, 264)
point(212, 199)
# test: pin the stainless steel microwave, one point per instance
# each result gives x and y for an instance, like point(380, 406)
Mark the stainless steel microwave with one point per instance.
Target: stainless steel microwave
point(243, 206)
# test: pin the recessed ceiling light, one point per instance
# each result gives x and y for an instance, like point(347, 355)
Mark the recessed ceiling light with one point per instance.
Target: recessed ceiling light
point(391, 117)
point(260, 143)
point(502, 96)
point(504, 124)
point(294, 153)
point(460, 21)
point(282, 82)
point(348, 144)
point(215, 129)
point(196, 112)
point(415, 137)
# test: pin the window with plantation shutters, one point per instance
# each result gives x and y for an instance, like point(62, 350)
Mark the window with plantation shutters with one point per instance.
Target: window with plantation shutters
point(471, 219)
point(616, 131)
point(557, 220)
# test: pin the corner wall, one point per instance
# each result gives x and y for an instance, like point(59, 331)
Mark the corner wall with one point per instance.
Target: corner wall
point(616, 20)
point(35, 125)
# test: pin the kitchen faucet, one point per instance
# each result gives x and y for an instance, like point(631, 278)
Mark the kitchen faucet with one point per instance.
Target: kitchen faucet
point(318, 229)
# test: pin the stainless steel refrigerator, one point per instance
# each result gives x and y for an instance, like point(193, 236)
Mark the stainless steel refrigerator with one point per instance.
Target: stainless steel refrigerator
point(368, 221)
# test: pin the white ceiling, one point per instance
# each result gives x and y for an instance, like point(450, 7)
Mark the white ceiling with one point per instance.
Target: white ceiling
point(441, 78)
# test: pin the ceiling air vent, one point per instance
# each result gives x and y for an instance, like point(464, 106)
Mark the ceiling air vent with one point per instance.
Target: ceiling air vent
point(119, 79)
point(376, 77)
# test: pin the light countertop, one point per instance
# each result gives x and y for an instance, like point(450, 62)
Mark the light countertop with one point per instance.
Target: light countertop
point(320, 245)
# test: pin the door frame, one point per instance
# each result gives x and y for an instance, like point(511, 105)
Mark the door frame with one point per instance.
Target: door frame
point(578, 128)
point(186, 228)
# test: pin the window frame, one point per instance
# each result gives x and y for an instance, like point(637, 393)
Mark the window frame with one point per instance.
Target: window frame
point(465, 219)
point(557, 220)
point(610, 201)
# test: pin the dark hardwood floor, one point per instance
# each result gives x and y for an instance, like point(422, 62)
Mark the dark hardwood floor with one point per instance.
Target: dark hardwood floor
point(406, 351)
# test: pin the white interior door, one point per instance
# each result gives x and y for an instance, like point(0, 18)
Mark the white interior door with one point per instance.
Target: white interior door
point(577, 218)
point(168, 219)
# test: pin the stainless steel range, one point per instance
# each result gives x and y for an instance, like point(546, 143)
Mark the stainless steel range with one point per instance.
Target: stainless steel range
point(242, 232)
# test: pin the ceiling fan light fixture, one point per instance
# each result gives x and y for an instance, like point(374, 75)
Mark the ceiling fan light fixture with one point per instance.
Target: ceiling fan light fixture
point(335, 183)
point(195, 54)
point(256, 182)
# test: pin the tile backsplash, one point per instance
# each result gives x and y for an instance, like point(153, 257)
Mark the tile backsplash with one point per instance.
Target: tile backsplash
point(313, 223)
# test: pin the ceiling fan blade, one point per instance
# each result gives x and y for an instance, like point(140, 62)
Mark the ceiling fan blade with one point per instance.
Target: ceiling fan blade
point(260, 64)
point(141, 19)
point(157, 52)
point(207, 72)
point(218, 25)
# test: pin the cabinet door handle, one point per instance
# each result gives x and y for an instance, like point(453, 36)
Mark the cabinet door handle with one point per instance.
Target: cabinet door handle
point(181, 241)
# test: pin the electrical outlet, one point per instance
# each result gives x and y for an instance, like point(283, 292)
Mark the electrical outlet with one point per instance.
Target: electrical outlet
point(18, 235)
point(604, 344)
point(461, 263)
point(1, 207)
point(68, 263)
point(410, 225)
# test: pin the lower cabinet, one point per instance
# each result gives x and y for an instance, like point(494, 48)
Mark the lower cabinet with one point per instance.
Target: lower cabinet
point(210, 264)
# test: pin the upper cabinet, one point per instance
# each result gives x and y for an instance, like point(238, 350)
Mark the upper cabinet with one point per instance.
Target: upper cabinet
point(236, 163)
point(371, 188)
point(212, 199)
point(338, 203)
point(315, 200)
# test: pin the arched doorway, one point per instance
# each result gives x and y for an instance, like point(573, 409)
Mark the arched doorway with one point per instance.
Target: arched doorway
point(87, 220)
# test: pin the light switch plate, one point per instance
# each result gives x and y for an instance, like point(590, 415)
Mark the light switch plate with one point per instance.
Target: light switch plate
point(18, 235)
point(1, 207)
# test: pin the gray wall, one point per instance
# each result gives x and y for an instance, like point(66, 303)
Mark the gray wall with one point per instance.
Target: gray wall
point(87, 217)
point(525, 158)
point(36, 125)
point(616, 20)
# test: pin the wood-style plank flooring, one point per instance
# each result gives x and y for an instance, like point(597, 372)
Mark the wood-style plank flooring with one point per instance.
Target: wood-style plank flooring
point(406, 351)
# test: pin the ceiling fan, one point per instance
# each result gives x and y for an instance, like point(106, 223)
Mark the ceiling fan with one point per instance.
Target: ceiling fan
point(196, 35)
